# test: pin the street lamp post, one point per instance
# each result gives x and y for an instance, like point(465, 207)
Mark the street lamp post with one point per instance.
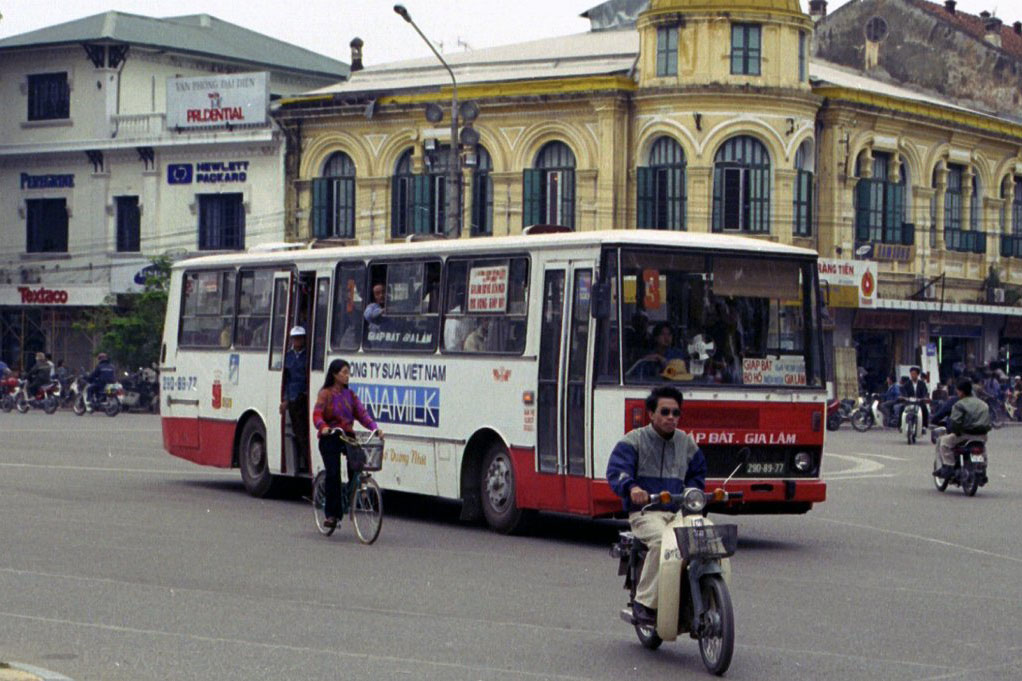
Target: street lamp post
point(453, 223)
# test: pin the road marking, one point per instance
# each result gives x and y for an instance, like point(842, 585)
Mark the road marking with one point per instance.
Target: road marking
point(920, 537)
point(867, 476)
point(104, 469)
point(881, 456)
point(368, 657)
point(862, 465)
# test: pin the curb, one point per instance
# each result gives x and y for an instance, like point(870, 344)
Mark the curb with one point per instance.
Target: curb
point(16, 671)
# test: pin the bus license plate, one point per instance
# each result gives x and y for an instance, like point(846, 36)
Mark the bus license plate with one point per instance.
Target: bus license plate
point(978, 458)
point(765, 468)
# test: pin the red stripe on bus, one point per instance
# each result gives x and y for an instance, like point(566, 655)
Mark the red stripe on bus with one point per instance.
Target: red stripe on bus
point(209, 442)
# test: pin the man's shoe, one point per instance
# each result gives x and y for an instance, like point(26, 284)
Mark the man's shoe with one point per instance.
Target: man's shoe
point(643, 615)
point(944, 471)
point(330, 522)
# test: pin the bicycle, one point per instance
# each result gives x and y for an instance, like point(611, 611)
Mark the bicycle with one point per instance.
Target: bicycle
point(364, 500)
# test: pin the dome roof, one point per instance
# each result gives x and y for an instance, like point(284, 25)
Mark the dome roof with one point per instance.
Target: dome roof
point(792, 7)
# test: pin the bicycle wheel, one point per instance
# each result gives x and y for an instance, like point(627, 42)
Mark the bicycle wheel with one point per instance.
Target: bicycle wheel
point(319, 504)
point(367, 510)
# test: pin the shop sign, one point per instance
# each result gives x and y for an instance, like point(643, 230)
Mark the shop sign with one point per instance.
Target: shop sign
point(957, 319)
point(207, 172)
point(40, 294)
point(882, 320)
point(236, 99)
point(892, 252)
point(955, 331)
point(849, 283)
point(47, 181)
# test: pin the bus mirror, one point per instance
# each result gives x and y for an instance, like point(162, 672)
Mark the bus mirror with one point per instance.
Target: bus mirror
point(600, 306)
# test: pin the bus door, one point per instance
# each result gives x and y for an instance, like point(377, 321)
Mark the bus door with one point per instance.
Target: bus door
point(564, 386)
point(299, 312)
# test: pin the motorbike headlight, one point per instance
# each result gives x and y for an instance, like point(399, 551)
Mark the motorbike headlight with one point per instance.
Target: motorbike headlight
point(803, 462)
point(694, 500)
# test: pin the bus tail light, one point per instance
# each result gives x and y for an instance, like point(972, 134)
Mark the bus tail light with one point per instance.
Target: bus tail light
point(528, 398)
point(637, 420)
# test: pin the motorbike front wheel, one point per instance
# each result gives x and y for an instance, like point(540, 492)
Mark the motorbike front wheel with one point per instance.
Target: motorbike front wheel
point(862, 420)
point(79, 406)
point(21, 403)
point(112, 407)
point(50, 404)
point(938, 482)
point(996, 415)
point(834, 422)
point(6, 403)
point(717, 635)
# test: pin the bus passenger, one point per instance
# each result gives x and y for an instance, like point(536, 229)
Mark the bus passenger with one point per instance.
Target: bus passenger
point(657, 457)
point(374, 310)
point(296, 392)
point(337, 406)
point(476, 341)
point(663, 351)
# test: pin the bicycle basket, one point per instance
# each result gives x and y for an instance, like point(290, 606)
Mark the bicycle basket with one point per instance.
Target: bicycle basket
point(707, 541)
point(372, 455)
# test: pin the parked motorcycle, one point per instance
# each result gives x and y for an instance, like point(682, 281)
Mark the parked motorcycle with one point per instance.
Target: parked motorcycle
point(107, 400)
point(839, 411)
point(970, 471)
point(693, 578)
point(868, 414)
point(45, 397)
point(912, 418)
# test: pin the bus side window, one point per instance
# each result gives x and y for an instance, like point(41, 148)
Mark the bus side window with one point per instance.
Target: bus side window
point(255, 291)
point(349, 304)
point(404, 318)
point(207, 310)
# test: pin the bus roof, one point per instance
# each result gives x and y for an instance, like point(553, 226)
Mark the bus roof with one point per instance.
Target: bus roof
point(552, 241)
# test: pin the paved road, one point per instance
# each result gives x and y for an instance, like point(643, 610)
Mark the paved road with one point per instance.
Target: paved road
point(119, 562)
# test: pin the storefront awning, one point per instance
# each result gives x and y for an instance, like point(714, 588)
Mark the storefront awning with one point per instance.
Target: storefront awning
point(937, 306)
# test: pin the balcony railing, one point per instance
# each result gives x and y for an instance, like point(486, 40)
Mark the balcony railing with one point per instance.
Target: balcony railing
point(1011, 246)
point(965, 240)
point(138, 125)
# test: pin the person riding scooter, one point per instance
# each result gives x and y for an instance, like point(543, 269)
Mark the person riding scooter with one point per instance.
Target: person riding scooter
point(648, 460)
point(889, 402)
point(969, 420)
point(39, 375)
point(100, 377)
point(916, 387)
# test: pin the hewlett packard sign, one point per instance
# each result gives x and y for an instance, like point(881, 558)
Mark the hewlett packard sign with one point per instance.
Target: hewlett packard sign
point(217, 100)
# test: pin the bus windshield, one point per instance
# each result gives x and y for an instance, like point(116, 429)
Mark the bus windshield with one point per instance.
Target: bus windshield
point(720, 318)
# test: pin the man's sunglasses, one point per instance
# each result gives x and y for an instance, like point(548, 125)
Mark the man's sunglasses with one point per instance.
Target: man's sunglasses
point(667, 411)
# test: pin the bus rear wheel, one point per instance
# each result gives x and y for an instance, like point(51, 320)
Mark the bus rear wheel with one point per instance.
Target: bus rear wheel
point(252, 459)
point(497, 491)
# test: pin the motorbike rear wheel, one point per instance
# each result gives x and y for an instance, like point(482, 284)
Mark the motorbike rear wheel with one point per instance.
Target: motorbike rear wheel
point(648, 636)
point(6, 403)
point(862, 420)
point(717, 642)
point(21, 403)
point(79, 406)
point(834, 422)
point(970, 483)
point(938, 482)
point(50, 404)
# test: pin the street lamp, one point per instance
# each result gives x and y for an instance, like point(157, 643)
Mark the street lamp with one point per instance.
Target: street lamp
point(453, 226)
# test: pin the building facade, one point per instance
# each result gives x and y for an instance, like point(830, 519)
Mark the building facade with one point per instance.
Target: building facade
point(126, 138)
point(682, 114)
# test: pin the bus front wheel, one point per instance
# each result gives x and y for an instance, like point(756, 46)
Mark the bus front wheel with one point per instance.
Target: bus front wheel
point(497, 491)
point(252, 459)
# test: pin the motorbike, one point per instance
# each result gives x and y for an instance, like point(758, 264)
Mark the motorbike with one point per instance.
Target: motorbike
point(141, 390)
point(970, 470)
point(868, 414)
point(693, 580)
point(839, 411)
point(912, 418)
point(8, 389)
point(107, 400)
point(45, 397)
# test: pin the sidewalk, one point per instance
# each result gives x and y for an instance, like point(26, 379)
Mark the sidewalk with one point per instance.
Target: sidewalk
point(15, 671)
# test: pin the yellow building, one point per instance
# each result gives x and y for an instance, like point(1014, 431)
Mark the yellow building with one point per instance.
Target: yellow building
point(693, 114)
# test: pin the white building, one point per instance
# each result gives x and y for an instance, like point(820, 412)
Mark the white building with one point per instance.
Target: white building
point(125, 137)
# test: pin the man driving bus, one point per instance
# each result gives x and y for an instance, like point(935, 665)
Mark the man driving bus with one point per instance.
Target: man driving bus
point(657, 457)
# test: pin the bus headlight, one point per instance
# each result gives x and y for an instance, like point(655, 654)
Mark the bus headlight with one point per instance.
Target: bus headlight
point(694, 500)
point(803, 462)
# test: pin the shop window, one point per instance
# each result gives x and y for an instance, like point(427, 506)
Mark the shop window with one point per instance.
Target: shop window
point(333, 199)
point(667, 51)
point(46, 225)
point(746, 49)
point(549, 191)
point(741, 186)
point(129, 221)
point(49, 97)
point(660, 187)
point(221, 222)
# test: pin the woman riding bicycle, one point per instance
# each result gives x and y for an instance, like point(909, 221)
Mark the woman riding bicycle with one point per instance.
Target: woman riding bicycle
point(337, 406)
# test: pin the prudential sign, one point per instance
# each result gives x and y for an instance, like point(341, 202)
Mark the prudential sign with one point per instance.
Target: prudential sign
point(217, 100)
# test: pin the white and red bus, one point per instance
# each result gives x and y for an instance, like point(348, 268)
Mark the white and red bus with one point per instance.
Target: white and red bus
point(504, 369)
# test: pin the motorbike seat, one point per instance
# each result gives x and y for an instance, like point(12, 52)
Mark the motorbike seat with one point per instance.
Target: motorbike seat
point(968, 446)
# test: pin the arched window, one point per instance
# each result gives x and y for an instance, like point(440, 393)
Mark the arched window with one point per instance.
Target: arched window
point(333, 199)
point(1016, 208)
point(976, 205)
point(741, 186)
point(482, 194)
point(549, 187)
point(402, 195)
point(660, 187)
point(802, 223)
point(880, 203)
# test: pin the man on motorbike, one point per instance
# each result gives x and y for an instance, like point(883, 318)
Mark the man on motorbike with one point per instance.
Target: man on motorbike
point(889, 400)
point(40, 374)
point(100, 377)
point(657, 457)
point(969, 420)
point(916, 387)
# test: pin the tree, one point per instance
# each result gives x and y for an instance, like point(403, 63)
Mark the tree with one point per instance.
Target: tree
point(132, 333)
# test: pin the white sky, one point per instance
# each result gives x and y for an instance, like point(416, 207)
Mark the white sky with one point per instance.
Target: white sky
point(327, 26)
